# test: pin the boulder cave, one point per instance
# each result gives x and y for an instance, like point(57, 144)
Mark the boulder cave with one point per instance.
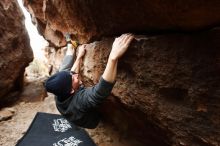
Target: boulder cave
point(168, 83)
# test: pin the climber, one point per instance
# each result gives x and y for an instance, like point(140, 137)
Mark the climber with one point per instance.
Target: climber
point(77, 103)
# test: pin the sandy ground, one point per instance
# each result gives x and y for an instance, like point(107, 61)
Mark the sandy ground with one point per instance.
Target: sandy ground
point(13, 129)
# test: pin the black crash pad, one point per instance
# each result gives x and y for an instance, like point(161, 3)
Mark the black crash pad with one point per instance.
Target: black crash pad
point(54, 130)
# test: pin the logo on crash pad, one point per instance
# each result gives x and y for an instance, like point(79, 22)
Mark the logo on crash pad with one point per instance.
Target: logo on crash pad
point(61, 125)
point(71, 141)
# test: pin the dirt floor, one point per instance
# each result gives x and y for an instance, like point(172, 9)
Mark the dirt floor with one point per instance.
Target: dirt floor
point(13, 127)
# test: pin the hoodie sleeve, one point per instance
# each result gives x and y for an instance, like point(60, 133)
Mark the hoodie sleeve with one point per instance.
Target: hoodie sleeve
point(94, 96)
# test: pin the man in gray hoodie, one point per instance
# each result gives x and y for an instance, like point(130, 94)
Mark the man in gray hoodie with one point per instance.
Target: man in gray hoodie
point(77, 103)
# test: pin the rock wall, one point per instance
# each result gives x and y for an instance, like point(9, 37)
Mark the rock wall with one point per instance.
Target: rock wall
point(15, 51)
point(89, 20)
point(167, 89)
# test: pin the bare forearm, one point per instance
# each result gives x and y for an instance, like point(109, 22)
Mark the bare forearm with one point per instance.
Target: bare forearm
point(76, 65)
point(111, 70)
point(119, 47)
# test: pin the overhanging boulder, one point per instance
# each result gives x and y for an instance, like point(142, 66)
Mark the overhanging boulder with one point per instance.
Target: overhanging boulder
point(89, 20)
point(167, 90)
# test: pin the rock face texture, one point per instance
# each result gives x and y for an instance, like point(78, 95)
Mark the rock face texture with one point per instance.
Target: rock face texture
point(89, 20)
point(167, 90)
point(15, 51)
point(168, 85)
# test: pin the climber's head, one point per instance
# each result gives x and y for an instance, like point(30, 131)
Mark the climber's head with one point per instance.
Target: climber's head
point(63, 83)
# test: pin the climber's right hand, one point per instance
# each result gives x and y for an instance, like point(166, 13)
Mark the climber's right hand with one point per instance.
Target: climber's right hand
point(120, 45)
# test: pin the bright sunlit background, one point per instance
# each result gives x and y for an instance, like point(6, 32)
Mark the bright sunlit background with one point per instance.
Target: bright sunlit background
point(37, 42)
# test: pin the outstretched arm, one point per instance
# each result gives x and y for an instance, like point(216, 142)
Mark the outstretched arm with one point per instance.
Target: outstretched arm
point(119, 47)
point(95, 95)
point(77, 63)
